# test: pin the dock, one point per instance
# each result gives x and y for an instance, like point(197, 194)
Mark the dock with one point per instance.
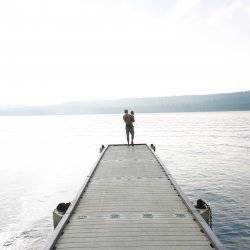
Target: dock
point(131, 201)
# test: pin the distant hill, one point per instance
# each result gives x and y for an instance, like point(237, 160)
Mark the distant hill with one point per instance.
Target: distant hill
point(189, 103)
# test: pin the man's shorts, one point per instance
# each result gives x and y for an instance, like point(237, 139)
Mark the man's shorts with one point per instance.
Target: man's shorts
point(130, 129)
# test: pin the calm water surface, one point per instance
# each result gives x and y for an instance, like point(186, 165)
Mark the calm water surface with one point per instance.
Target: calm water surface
point(45, 159)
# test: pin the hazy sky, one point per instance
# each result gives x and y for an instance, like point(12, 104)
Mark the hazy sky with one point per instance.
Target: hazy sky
point(65, 50)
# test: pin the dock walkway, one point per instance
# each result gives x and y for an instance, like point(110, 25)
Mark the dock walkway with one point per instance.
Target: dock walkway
point(130, 201)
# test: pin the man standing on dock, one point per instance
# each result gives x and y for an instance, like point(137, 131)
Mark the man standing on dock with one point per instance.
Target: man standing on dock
point(129, 119)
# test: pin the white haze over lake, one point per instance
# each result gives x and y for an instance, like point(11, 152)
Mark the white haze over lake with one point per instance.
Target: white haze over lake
point(57, 51)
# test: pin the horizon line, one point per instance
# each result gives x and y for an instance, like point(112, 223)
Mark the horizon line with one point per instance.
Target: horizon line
point(116, 99)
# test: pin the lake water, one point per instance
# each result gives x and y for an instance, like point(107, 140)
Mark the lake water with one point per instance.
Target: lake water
point(45, 159)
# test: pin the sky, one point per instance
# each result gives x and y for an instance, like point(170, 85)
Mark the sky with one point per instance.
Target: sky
point(54, 51)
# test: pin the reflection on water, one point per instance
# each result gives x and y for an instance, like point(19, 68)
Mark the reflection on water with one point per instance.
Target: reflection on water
point(44, 160)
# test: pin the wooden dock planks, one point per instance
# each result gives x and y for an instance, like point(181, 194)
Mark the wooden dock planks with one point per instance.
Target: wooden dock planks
point(130, 201)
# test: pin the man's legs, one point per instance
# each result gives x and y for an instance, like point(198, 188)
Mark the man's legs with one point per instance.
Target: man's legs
point(127, 132)
point(132, 135)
